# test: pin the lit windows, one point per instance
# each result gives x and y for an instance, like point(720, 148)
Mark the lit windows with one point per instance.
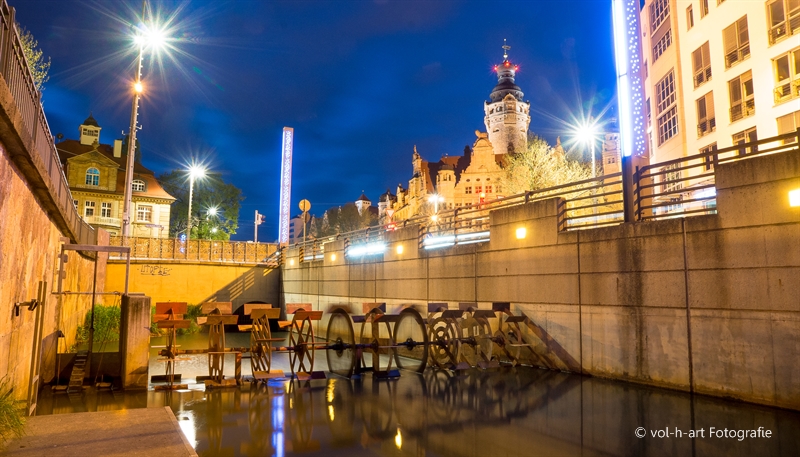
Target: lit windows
point(741, 96)
point(105, 209)
point(659, 10)
point(144, 213)
point(746, 136)
point(787, 75)
point(478, 189)
point(701, 64)
point(138, 185)
point(488, 189)
point(92, 177)
point(736, 42)
point(709, 159)
point(88, 208)
point(783, 18)
point(706, 121)
point(666, 108)
point(662, 43)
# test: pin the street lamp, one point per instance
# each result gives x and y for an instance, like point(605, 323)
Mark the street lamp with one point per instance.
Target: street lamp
point(435, 198)
point(587, 133)
point(147, 37)
point(195, 171)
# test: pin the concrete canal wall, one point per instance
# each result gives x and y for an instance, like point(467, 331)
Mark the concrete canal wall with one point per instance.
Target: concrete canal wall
point(707, 303)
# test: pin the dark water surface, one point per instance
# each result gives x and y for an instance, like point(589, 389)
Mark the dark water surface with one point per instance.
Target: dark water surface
point(507, 412)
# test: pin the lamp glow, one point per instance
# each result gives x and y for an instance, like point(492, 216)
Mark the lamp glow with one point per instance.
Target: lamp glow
point(522, 232)
point(399, 249)
point(333, 257)
point(366, 249)
point(138, 87)
point(291, 261)
point(794, 198)
point(398, 439)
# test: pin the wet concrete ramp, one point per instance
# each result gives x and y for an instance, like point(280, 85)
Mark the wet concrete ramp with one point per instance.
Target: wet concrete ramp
point(131, 432)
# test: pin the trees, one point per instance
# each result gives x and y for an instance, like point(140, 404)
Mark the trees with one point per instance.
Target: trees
point(209, 193)
point(342, 219)
point(540, 166)
point(35, 57)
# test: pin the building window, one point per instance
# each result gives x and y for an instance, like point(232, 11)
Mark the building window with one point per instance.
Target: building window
point(88, 209)
point(497, 188)
point(659, 10)
point(478, 189)
point(709, 159)
point(75, 202)
point(105, 209)
point(789, 124)
point(744, 137)
point(736, 42)
point(666, 108)
point(138, 185)
point(649, 113)
point(784, 19)
point(689, 17)
point(468, 189)
point(706, 121)
point(144, 213)
point(488, 189)
point(672, 178)
point(701, 63)
point(741, 96)
point(93, 177)
point(703, 8)
point(662, 43)
point(787, 75)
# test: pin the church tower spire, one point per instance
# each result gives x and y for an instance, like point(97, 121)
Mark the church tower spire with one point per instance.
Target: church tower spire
point(507, 116)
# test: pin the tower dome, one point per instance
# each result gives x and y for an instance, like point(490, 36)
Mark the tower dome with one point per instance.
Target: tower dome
point(507, 115)
point(506, 72)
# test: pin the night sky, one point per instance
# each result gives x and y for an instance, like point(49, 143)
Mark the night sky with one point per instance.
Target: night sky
point(361, 82)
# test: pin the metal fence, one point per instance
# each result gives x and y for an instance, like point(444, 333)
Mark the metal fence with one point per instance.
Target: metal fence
point(675, 188)
point(19, 80)
point(687, 186)
point(198, 250)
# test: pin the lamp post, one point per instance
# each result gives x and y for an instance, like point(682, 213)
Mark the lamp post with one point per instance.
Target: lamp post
point(147, 36)
point(195, 171)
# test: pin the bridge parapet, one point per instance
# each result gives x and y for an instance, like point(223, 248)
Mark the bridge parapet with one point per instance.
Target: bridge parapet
point(212, 251)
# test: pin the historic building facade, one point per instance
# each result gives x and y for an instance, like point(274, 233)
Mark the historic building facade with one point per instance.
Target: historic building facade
point(96, 176)
point(507, 116)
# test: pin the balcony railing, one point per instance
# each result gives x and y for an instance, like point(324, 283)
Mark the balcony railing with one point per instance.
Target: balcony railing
point(737, 55)
point(100, 220)
point(743, 109)
point(706, 126)
point(702, 76)
point(787, 91)
point(785, 28)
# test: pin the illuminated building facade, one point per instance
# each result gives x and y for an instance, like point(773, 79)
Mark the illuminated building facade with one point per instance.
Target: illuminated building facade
point(95, 173)
point(719, 73)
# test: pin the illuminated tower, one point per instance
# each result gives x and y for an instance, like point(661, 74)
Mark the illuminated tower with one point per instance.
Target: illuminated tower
point(286, 185)
point(507, 115)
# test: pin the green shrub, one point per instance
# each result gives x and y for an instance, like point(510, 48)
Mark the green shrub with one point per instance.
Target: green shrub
point(192, 313)
point(12, 417)
point(106, 326)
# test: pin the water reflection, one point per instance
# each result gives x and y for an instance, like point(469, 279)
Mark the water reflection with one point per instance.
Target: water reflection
point(511, 411)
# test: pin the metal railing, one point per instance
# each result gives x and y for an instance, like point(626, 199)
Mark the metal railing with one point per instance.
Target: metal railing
point(687, 186)
point(676, 188)
point(19, 80)
point(743, 109)
point(196, 250)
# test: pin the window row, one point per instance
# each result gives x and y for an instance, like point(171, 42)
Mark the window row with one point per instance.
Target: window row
point(144, 213)
point(92, 178)
point(480, 189)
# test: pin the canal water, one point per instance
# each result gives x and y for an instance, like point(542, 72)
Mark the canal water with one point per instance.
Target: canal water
point(518, 411)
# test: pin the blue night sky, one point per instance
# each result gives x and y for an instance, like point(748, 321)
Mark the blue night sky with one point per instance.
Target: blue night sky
point(361, 82)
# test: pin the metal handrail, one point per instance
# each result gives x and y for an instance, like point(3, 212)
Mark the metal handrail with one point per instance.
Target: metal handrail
point(19, 80)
